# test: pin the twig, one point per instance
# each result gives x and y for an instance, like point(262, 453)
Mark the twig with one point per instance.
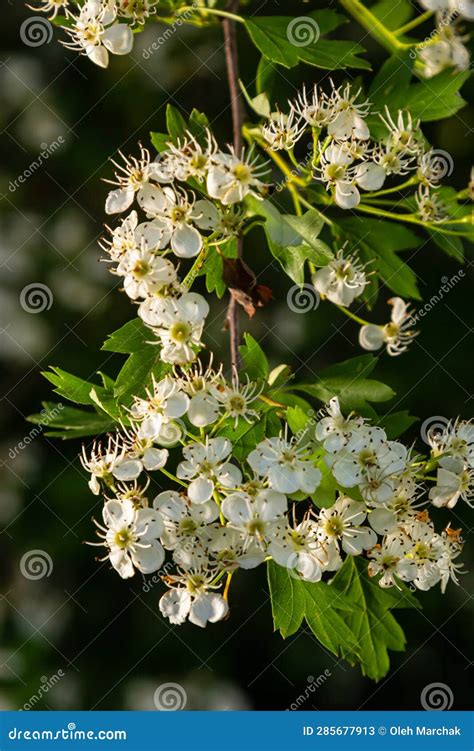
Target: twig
point(232, 63)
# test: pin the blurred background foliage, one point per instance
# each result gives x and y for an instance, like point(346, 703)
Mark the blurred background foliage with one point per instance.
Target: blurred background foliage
point(105, 634)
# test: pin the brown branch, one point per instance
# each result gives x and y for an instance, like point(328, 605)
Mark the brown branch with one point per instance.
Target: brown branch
point(232, 63)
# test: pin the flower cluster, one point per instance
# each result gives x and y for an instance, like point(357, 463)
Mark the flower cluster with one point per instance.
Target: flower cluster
point(97, 27)
point(176, 224)
point(222, 514)
point(345, 159)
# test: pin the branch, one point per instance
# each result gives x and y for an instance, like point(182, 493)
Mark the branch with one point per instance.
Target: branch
point(232, 63)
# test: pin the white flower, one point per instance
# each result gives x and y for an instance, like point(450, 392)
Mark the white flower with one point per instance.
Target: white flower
point(109, 462)
point(342, 522)
point(193, 601)
point(174, 217)
point(123, 238)
point(334, 430)
point(342, 280)
point(316, 110)
point(457, 439)
point(404, 135)
point(300, 550)
point(348, 117)
point(178, 323)
point(95, 33)
point(284, 465)
point(145, 272)
point(430, 206)
point(448, 52)
point(255, 512)
point(336, 172)
point(130, 535)
point(206, 467)
point(183, 521)
point(283, 131)
point(230, 549)
point(164, 403)
point(370, 175)
point(50, 6)
point(389, 560)
point(199, 384)
point(454, 481)
point(137, 10)
point(188, 158)
point(426, 548)
point(132, 178)
point(231, 178)
point(396, 335)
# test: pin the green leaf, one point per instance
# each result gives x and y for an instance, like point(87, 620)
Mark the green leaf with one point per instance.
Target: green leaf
point(175, 122)
point(136, 373)
point(255, 361)
point(131, 337)
point(292, 240)
point(60, 421)
point(317, 603)
point(352, 388)
point(198, 125)
point(371, 622)
point(426, 99)
point(449, 244)
point(70, 386)
point(393, 14)
point(379, 242)
point(396, 423)
point(273, 35)
point(160, 141)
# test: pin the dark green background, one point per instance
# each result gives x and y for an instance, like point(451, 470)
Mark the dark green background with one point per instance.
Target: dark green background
point(104, 633)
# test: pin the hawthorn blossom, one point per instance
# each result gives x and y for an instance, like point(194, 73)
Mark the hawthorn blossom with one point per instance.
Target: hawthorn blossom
point(231, 178)
point(284, 465)
point(50, 6)
point(108, 462)
point(283, 131)
point(348, 117)
point(183, 520)
point(343, 523)
point(207, 468)
point(389, 560)
point(95, 32)
point(341, 280)
point(336, 172)
point(145, 273)
point(396, 335)
point(130, 535)
point(299, 549)
point(316, 110)
point(334, 429)
point(163, 404)
point(192, 599)
point(132, 179)
point(178, 323)
point(255, 513)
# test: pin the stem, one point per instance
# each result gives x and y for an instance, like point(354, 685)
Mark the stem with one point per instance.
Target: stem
point(232, 64)
point(352, 315)
point(372, 24)
point(410, 218)
point(395, 189)
point(413, 23)
point(213, 12)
